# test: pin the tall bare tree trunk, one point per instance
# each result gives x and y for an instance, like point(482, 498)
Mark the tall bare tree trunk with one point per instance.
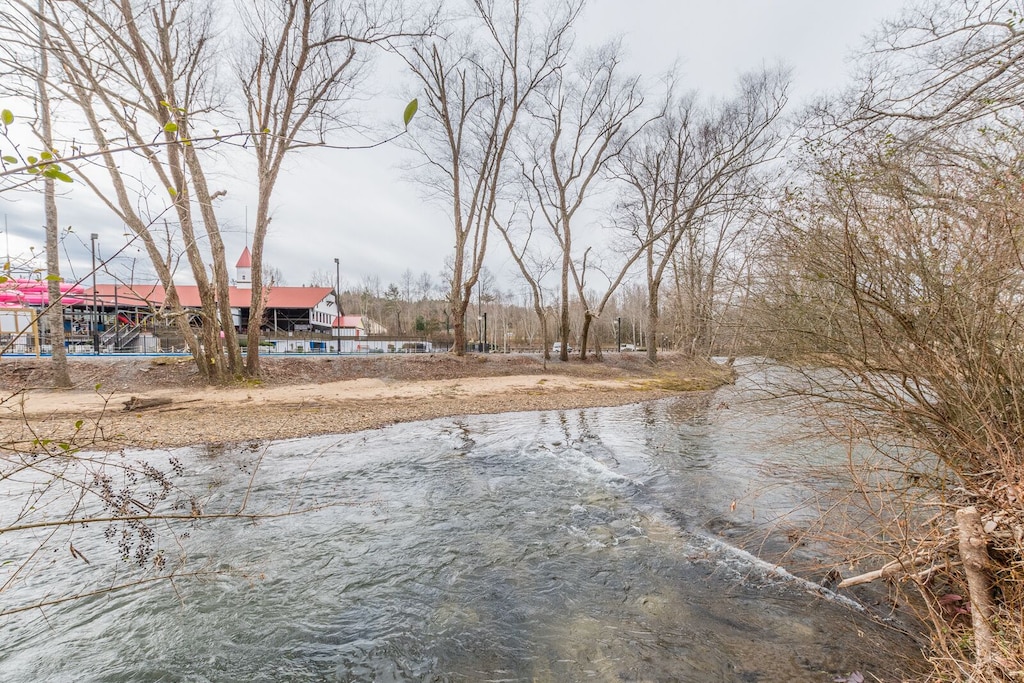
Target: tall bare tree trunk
point(257, 302)
point(588, 319)
point(564, 310)
point(653, 319)
point(55, 314)
point(459, 303)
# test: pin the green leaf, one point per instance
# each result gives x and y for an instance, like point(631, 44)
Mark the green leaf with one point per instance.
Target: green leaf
point(53, 278)
point(53, 171)
point(410, 111)
point(32, 160)
point(79, 423)
point(11, 160)
point(98, 385)
point(165, 103)
point(7, 116)
point(172, 191)
point(170, 127)
point(46, 156)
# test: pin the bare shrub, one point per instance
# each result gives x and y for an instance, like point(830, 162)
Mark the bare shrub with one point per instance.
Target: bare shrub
point(896, 289)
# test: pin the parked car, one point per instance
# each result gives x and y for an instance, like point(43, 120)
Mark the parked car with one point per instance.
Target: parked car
point(628, 347)
point(556, 348)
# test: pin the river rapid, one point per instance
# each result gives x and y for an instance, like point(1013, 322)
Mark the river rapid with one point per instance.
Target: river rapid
point(581, 545)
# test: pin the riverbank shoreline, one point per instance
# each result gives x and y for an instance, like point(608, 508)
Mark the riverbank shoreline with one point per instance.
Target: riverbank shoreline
point(162, 403)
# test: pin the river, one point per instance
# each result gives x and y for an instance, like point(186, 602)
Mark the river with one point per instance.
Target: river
point(581, 545)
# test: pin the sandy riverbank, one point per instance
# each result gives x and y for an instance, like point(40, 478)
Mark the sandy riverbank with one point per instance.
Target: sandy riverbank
point(308, 396)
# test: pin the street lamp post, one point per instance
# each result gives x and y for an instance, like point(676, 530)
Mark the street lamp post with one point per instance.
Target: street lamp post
point(337, 300)
point(117, 321)
point(486, 350)
point(95, 305)
point(618, 334)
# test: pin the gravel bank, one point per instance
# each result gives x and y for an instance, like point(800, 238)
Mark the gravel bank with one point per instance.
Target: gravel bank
point(299, 397)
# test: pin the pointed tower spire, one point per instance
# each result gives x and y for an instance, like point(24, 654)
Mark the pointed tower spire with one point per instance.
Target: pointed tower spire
point(243, 269)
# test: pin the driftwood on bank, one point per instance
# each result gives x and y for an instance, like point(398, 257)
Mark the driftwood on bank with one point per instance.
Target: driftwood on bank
point(136, 403)
point(897, 566)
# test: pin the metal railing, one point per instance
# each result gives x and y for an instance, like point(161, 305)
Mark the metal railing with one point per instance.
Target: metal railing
point(143, 340)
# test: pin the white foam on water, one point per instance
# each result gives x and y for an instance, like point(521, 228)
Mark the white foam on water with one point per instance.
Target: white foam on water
point(772, 570)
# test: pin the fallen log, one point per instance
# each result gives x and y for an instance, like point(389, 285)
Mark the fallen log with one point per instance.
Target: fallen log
point(898, 566)
point(136, 403)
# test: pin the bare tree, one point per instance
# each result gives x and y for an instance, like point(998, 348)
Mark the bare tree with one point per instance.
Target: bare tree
point(945, 62)
point(583, 120)
point(272, 276)
point(710, 267)
point(424, 286)
point(897, 264)
point(405, 283)
point(320, 278)
point(167, 49)
point(534, 265)
point(299, 70)
point(688, 168)
point(901, 267)
point(55, 314)
point(474, 94)
point(29, 67)
point(145, 73)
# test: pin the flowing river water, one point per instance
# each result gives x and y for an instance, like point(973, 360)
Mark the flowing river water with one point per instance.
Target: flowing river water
point(580, 545)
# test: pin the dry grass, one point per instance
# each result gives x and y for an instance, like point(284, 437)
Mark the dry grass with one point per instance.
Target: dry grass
point(711, 378)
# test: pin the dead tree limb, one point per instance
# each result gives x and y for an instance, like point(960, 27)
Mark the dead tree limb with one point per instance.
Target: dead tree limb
point(900, 565)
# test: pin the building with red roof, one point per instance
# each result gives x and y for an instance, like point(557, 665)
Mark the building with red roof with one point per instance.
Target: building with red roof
point(286, 309)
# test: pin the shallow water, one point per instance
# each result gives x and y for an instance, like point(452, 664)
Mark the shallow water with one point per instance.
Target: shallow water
point(555, 546)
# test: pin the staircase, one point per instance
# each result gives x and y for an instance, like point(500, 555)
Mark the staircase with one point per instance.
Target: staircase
point(121, 338)
point(128, 337)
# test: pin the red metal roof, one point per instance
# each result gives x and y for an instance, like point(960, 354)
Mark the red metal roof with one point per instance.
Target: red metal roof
point(245, 260)
point(303, 298)
point(296, 297)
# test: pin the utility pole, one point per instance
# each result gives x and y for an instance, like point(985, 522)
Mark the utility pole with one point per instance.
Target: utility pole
point(95, 305)
point(337, 300)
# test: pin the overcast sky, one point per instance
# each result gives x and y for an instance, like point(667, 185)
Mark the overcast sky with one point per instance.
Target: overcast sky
point(359, 207)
